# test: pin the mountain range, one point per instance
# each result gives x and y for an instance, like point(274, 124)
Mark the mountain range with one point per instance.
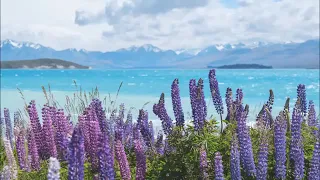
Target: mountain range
point(277, 55)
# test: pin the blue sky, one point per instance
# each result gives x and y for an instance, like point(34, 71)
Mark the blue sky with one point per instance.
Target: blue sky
point(169, 24)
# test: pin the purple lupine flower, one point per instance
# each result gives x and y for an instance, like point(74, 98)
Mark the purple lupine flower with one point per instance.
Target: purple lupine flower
point(151, 131)
point(301, 94)
point(314, 171)
point(49, 148)
point(76, 156)
point(61, 131)
point(235, 159)
point(218, 167)
point(246, 152)
point(36, 126)
point(128, 131)
point(97, 105)
point(106, 162)
point(122, 160)
point(9, 131)
point(159, 143)
point(295, 130)
point(33, 151)
point(262, 167)
point(176, 103)
point(198, 105)
point(229, 102)
point(135, 131)
point(215, 92)
point(84, 125)
point(53, 170)
point(194, 103)
point(144, 127)
point(21, 150)
point(280, 129)
point(94, 133)
point(140, 160)
point(160, 110)
point(202, 103)
point(203, 164)
point(299, 162)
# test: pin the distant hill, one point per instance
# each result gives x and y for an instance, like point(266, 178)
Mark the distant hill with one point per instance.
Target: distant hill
point(242, 66)
point(41, 64)
point(277, 55)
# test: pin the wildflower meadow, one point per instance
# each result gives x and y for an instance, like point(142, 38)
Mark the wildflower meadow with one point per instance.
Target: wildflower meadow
point(104, 142)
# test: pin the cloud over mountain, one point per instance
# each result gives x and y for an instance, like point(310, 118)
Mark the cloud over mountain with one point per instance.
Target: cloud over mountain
point(175, 24)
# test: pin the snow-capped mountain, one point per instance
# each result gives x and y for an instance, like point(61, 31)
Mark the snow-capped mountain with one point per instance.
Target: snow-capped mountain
point(145, 47)
point(287, 54)
point(15, 44)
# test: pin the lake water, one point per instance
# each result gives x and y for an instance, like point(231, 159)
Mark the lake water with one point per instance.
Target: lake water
point(141, 86)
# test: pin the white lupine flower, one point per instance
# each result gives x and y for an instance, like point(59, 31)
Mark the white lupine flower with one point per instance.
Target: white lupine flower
point(53, 171)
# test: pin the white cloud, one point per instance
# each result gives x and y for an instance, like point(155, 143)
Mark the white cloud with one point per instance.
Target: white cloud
point(170, 24)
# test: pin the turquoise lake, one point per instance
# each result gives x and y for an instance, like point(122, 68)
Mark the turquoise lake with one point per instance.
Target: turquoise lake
point(141, 86)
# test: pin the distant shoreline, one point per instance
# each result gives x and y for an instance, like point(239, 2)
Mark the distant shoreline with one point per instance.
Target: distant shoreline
point(44, 64)
point(242, 66)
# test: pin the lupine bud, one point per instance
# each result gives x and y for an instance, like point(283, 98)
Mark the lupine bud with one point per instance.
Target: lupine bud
point(215, 92)
point(144, 128)
point(160, 110)
point(140, 160)
point(9, 130)
point(218, 167)
point(280, 129)
point(76, 156)
point(235, 159)
point(159, 143)
point(122, 160)
point(49, 148)
point(314, 171)
point(54, 168)
point(106, 162)
point(229, 103)
point(203, 164)
point(176, 103)
point(301, 94)
point(312, 116)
